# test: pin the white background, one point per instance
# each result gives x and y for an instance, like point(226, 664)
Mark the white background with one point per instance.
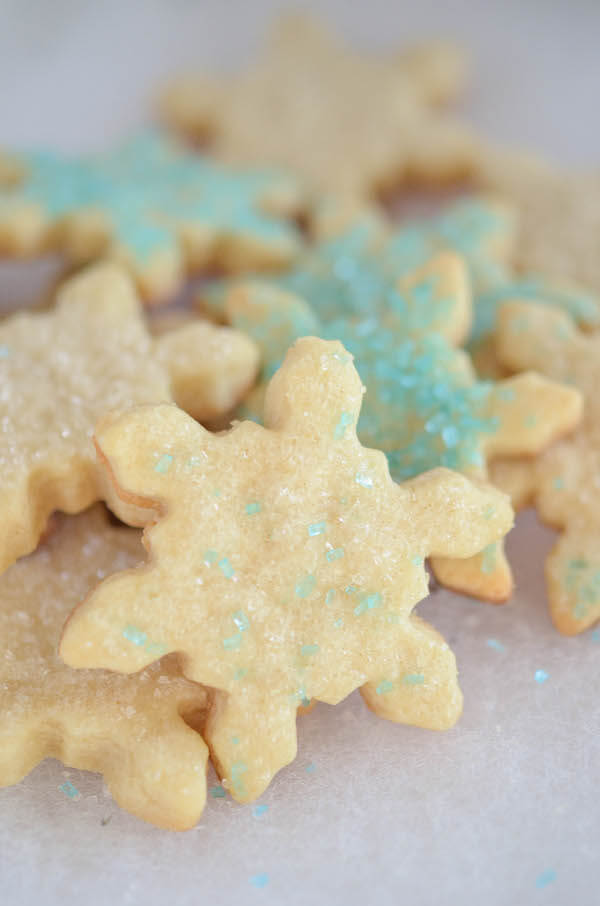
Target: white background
point(390, 814)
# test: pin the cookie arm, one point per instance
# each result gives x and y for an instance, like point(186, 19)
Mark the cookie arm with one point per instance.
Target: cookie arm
point(453, 516)
point(487, 576)
point(211, 368)
point(535, 336)
point(531, 412)
point(316, 393)
point(155, 765)
point(251, 736)
point(192, 104)
point(117, 627)
point(421, 688)
point(451, 305)
point(573, 579)
point(143, 451)
point(273, 318)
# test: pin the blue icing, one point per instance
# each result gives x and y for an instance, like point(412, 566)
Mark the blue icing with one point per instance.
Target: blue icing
point(352, 275)
point(419, 408)
point(356, 274)
point(148, 188)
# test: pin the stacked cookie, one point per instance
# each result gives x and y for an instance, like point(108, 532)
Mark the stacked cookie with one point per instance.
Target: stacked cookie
point(297, 438)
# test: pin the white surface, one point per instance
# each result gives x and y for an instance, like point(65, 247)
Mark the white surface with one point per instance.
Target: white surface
point(390, 814)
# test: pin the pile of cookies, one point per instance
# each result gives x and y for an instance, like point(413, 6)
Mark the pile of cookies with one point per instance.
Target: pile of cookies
point(340, 402)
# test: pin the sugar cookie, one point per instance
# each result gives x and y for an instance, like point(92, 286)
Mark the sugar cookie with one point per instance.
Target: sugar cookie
point(349, 123)
point(154, 207)
point(129, 728)
point(424, 406)
point(558, 215)
point(564, 482)
point(63, 369)
point(285, 566)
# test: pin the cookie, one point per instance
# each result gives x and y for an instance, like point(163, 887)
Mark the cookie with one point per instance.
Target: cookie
point(132, 729)
point(359, 267)
point(558, 215)
point(350, 124)
point(424, 406)
point(484, 232)
point(366, 271)
point(63, 369)
point(563, 484)
point(155, 207)
point(286, 567)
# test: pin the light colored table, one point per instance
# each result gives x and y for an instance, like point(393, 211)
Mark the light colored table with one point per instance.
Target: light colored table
point(502, 809)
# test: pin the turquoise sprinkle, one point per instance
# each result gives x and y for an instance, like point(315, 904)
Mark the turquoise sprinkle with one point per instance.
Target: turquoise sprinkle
point(495, 644)
point(317, 528)
point(216, 492)
point(346, 418)
point(233, 642)
point(336, 554)
point(241, 620)
point(489, 511)
point(217, 792)
point(252, 508)
point(132, 634)
point(547, 877)
point(259, 810)
point(226, 568)
point(417, 561)
point(240, 673)
point(148, 188)
point(164, 464)
point(307, 650)
point(243, 623)
point(210, 557)
point(413, 679)
point(350, 589)
point(260, 880)
point(69, 790)
point(385, 686)
point(310, 767)
point(238, 769)
point(450, 435)
point(595, 636)
point(488, 561)
point(338, 623)
point(368, 602)
point(558, 484)
point(365, 481)
point(329, 596)
point(305, 586)
point(541, 676)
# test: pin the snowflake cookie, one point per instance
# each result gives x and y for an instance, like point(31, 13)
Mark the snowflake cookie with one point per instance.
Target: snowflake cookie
point(284, 565)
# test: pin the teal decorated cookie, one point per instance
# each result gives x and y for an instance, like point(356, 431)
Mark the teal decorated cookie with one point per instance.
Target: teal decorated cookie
point(423, 405)
point(161, 209)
